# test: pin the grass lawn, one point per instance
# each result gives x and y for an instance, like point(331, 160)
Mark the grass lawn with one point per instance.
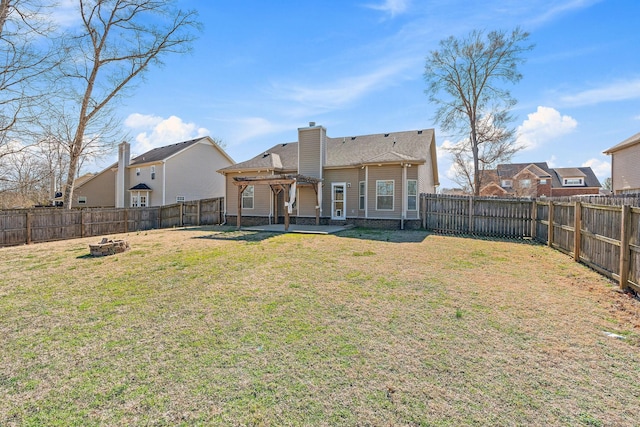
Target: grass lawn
point(210, 326)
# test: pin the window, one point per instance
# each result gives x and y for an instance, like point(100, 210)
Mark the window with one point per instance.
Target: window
point(361, 195)
point(384, 195)
point(247, 197)
point(143, 201)
point(572, 181)
point(134, 201)
point(412, 194)
point(506, 183)
point(137, 171)
point(179, 199)
point(543, 181)
point(153, 172)
point(525, 183)
point(82, 200)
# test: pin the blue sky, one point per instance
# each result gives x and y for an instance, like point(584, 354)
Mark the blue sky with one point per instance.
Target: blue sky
point(261, 69)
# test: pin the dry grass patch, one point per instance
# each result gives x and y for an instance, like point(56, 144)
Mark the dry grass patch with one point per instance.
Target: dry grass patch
point(213, 326)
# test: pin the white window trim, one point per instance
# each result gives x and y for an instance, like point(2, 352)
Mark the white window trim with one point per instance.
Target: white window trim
point(179, 199)
point(566, 182)
point(392, 195)
point(506, 183)
point(525, 183)
point(253, 197)
point(362, 192)
point(412, 195)
point(82, 200)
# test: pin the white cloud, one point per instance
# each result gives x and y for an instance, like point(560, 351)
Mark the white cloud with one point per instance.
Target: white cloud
point(142, 121)
point(550, 13)
point(66, 13)
point(343, 91)
point(552, 162)
point(543, 125)
point(392, 7)
point(618, 91)
point(157, 131)
point(253, 127)
point(601, 168)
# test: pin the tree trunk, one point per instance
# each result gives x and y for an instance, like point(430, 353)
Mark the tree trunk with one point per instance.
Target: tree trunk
point(74, 156)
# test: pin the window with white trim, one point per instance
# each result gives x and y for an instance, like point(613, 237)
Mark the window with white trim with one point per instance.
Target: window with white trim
point(384, 195)
point(137, 171)
point(525, 183)
point(361, 190)
point(153, 172)
point(572, 181)
point(143, 201)
point(412, 194)
point(134, 201)
point(82, 200)
point(506, 183)
point(247, 197)
point(543, 181)
point(179, 199)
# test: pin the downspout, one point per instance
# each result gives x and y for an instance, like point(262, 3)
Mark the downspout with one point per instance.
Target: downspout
point(404, 196)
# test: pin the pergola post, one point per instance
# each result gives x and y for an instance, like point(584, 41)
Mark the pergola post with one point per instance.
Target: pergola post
point(241, 189)
point(315, 188)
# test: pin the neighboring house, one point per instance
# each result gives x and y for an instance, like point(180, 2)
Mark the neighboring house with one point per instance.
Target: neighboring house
point(625, 169)
point(353, 179)
point(162, 176)
point(537, 180)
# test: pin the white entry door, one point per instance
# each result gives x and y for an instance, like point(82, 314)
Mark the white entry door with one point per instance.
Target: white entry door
point(338, 208)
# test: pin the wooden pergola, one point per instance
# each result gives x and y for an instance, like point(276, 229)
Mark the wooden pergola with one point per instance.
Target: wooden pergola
point(277, 183)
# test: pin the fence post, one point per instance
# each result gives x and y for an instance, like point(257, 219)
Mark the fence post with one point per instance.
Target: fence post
point(126, 220)
point(181, 221)
point(471, 214)
point(28, 225)
point(198, 214)
point(577, 230)
point(550, 225)
point(423, 209)
point(82, 230)
point(534, 219)
point(625, 226)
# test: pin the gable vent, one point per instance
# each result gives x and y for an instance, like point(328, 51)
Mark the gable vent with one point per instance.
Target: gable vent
point(386, 135)
point(419, 132)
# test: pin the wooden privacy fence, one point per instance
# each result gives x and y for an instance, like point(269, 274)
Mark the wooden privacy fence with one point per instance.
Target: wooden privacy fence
point(25, 226)
point(608, 237)
point(483, 216)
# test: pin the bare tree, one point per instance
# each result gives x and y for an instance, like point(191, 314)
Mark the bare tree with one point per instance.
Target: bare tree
point(27, 55)
point(117, 42)
point(463, 79)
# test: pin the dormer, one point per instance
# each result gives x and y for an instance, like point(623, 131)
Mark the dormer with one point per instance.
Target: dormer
point(311, 150)
point(571, 177)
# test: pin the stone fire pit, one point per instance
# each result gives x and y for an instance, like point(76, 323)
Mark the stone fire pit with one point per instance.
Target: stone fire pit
point(109, 247)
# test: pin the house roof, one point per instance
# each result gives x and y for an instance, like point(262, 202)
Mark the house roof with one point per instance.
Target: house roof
point(141, 186)
point(590, 179)
point(509, 170)
point(408, 146)
point(570, 172)
point(635, 139)
point(161, 153)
